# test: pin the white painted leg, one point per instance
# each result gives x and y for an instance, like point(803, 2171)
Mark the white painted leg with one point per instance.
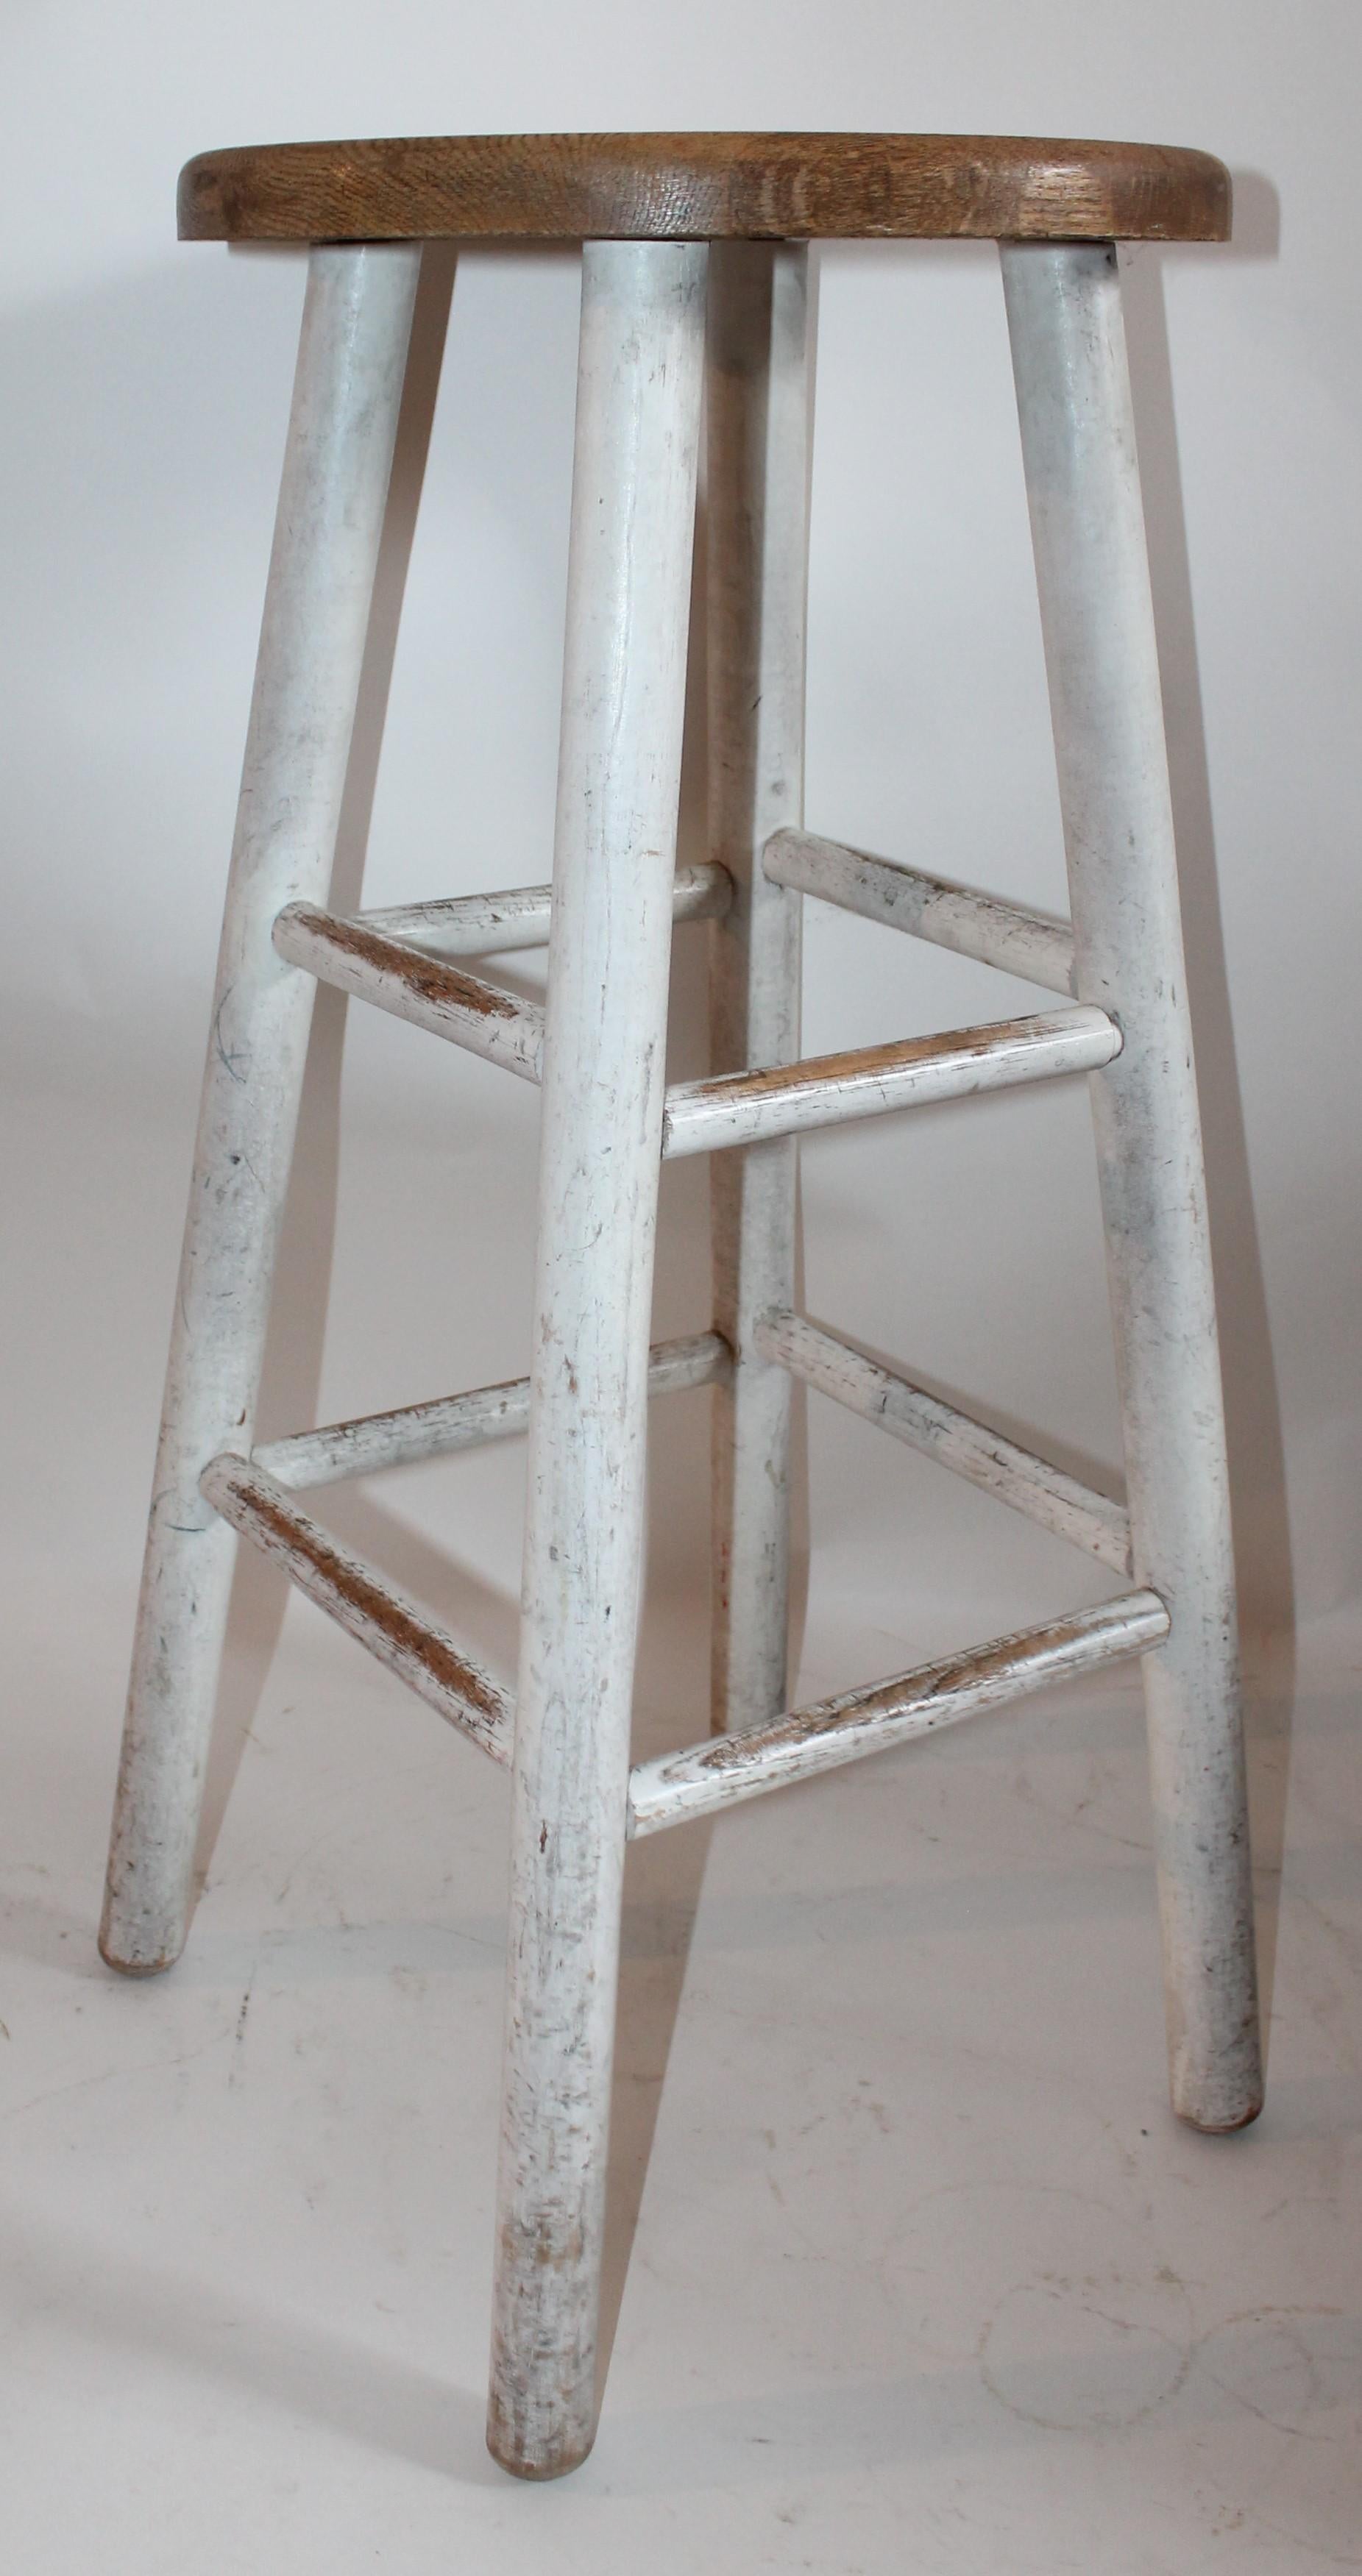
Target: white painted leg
point(633, 512)
point(757, 518)
point(352, 357)
point(1078, 441)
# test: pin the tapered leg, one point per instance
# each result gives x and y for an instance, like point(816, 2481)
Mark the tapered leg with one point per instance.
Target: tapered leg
point(356, 322)
point(757, 577)
point(1078, 443)
point(633, 512)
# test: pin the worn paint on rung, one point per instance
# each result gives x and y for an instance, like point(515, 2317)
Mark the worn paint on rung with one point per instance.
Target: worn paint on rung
point(865, 1082)
point(986, 927)
point(805, 1741)
point(1059, 1502)
point(478, 925)
point(361, 1601)
point(415, 1431)
point(423, 990)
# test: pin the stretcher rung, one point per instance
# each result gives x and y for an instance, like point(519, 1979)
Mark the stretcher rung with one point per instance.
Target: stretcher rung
point(432, 1430)
point(954, 1439)
point(744, 1108)
point(1032, 945)
point(749, 1108)
point(727, 1768)
point(423, 990)
point(362, 1602)
point(480, 925)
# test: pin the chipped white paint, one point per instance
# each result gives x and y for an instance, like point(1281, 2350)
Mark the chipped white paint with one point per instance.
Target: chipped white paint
point(756, 505)
point(983, 926)
point(719, 1773)
point(633, 511)
point(484, 925)
point(1000, 1467)
point(823, 1091)
point(356, 324)
point(1078, 442)
point(423, 990)
point(379, 1616)
point(416, 1431)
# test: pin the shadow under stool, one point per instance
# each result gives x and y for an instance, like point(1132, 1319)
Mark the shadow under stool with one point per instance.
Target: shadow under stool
point(694, 284)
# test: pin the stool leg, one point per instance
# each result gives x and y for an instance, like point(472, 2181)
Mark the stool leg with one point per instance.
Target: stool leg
point(633, 513)
point(356, 321)
point(757, 578)
point(1078, 444)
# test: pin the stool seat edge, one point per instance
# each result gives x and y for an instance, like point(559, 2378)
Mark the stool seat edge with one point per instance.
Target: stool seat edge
point(704, 187)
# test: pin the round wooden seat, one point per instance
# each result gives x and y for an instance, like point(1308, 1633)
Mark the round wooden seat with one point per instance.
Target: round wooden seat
point(704, 187)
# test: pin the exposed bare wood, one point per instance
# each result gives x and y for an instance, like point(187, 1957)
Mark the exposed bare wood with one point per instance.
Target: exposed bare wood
point(822, 1091)
point(939, 1430)
point(414, 987)
point(485, 925)
point(416, 1431)
point(728, 1768)
point(984, 926)
point(371, 1610)
point(705, 187)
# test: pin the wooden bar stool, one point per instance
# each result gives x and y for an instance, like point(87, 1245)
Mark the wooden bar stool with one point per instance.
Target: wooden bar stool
point(694, 270)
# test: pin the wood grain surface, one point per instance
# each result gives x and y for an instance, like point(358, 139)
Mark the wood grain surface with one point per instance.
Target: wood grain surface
point(704, 187)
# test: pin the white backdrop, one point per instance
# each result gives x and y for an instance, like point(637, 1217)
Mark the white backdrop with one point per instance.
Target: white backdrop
point(920, 2269)
point(147, 388)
